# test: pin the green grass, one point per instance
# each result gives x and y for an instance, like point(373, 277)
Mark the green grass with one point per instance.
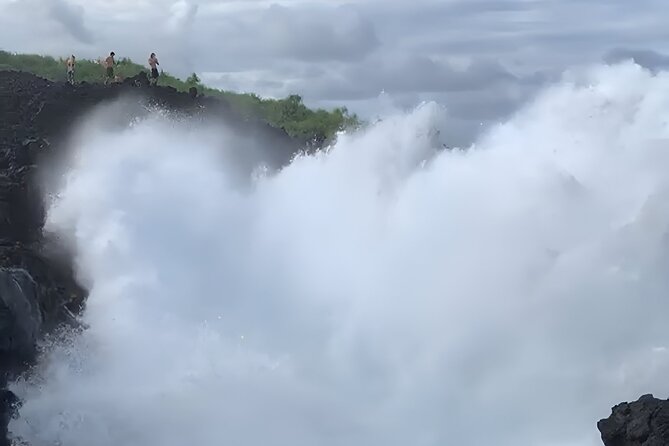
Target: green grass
point(289, 114)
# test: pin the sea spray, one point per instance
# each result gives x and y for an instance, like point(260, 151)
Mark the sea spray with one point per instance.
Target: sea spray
point(385, 292)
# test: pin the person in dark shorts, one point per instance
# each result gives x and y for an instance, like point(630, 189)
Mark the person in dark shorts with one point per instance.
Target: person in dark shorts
point(70, 63)
point(109, 66)
point(153, 63)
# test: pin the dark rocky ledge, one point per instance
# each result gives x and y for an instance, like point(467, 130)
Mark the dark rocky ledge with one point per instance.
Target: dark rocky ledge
point(644, 422)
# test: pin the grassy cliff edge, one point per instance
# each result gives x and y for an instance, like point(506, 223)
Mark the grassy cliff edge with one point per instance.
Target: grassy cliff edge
point(289, 114)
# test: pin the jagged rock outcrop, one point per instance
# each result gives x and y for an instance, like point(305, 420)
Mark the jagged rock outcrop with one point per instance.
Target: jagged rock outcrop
point(20, 316)
point(38, 290)
point(37, 286)
point(644, 422)
point(8, 406)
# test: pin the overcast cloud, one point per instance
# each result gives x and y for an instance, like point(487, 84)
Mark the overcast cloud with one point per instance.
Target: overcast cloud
point(335, 52)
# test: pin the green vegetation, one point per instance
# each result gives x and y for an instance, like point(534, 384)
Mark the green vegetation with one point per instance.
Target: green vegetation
point(290, 113)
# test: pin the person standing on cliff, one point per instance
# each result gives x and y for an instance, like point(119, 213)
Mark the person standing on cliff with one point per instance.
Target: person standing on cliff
point(71, 61)
point(109, 65)
point(153, 63)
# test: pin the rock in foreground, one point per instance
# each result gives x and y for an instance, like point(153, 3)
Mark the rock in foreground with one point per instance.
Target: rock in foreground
point(644, 422)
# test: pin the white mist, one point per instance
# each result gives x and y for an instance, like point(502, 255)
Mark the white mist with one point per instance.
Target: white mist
point(379, 294)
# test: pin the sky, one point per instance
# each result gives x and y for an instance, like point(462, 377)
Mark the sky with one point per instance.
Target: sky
point(478, 58)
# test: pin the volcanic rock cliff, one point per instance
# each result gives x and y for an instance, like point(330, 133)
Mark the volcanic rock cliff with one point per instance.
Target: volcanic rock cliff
point(38, 290)
point(644, 422)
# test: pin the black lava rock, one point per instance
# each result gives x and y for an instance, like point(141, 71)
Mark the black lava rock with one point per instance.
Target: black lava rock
point(644, 422)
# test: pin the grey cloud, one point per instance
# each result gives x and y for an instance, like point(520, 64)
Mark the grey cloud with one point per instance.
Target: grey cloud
point(319, 34)
point(406, 74)
point(71, 17)
point(646, 58)
point(55, 27)
point(244, 82)
point(546, 33)
point(313, 34)
point(182, 16)
point(176, 41)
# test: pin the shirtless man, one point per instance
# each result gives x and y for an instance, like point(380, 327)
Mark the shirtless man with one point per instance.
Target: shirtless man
point(70, 62)
point(153, 63)
point(109, 65)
